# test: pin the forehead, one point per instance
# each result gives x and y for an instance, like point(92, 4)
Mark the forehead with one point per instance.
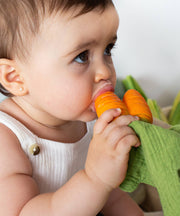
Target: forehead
point(65, 30)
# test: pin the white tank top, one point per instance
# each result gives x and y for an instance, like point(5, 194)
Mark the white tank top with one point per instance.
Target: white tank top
point(56, 162)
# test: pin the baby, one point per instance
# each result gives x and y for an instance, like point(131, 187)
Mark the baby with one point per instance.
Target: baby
point(56, 159)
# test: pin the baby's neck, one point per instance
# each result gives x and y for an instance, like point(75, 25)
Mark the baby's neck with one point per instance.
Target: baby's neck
point(67, 132)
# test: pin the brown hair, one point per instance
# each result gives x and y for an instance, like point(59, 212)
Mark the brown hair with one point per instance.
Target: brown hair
point(20, 20)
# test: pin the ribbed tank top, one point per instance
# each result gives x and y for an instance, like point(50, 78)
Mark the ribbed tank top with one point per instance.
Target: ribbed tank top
point(57, 162)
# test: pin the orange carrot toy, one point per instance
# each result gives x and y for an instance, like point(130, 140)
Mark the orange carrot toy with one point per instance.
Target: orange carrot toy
point(133, 104)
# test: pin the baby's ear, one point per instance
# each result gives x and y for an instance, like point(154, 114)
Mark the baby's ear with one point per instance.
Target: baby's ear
point(10, 78)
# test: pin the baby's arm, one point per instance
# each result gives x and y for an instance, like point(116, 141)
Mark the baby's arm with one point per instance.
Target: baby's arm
point(19, 194)
point(86, 192)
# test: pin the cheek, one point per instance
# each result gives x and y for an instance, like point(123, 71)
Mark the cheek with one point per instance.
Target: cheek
point(78, 96)
point(72, 99)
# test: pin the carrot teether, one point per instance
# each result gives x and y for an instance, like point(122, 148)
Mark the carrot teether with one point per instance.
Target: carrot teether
point(109, 100)
point(133, 103)
point(136, 105)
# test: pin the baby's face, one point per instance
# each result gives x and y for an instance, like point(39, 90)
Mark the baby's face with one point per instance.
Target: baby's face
point(70, 60)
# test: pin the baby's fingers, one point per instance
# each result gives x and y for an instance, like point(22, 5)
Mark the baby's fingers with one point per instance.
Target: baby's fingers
point(107, 117)
point(125, 119)
point(127, 142)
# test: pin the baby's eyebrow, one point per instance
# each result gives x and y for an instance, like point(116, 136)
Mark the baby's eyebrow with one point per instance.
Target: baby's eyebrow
point(86, 44)
point(81, 46)
point(92, 42)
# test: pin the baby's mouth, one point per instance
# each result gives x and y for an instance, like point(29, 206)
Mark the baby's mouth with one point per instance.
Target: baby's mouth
point(101, 90)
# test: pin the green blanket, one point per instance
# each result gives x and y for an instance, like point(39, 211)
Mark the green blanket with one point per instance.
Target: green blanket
point(156, 162)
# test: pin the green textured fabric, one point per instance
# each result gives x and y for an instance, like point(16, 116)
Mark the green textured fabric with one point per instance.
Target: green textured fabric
point(156, 162)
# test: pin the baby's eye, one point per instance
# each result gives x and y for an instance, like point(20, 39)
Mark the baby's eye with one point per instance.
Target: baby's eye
point(82, 58)
point(108, 49)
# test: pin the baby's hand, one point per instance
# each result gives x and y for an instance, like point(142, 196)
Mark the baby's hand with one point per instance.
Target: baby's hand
point(109, 149)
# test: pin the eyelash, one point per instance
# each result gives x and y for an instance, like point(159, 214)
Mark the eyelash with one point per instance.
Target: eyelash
point(109, 48)
point(83, 57)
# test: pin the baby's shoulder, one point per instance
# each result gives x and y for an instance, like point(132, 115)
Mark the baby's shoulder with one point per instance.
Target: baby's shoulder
point(16, 183)
point(12, 157)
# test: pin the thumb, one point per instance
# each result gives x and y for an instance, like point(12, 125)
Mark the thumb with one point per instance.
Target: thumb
point(106, 118)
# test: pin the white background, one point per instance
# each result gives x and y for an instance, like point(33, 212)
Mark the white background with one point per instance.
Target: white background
point(148, 46)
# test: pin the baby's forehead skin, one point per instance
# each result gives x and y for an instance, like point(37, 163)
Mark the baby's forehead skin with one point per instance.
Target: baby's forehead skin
point(68, 21)
point(63, 32)
point(74, 14)
point(94, 22)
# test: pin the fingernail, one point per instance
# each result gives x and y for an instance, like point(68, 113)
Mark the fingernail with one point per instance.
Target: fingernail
point(118, 109)
point(136, 117)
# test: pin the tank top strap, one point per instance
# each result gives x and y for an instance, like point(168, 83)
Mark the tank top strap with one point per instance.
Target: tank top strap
point(25, 136)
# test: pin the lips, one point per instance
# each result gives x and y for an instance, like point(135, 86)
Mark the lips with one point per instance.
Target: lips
point(104, 88)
